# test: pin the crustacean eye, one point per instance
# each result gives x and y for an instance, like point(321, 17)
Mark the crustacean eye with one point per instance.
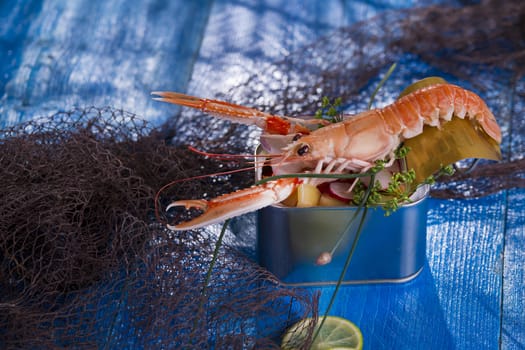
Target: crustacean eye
point(297, 137)
point(303, 149)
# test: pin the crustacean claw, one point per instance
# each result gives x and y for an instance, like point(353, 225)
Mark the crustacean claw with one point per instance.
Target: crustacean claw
point(189, 203)
point(239, 114)
point(236, 203)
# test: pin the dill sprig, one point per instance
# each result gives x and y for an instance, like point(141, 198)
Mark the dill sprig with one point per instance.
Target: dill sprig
point(400, 187)
point(443, 171)
point(330, 110)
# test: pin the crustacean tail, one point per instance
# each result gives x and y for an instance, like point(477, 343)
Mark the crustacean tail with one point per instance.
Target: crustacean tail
point(435, 104)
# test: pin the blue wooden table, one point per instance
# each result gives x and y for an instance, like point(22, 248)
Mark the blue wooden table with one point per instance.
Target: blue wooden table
point(55, 55)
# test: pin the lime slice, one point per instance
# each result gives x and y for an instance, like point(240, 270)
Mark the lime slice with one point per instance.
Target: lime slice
point(336, 333)
point(429, 81)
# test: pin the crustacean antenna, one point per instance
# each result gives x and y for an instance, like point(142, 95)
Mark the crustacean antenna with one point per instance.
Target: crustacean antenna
point(227, 156)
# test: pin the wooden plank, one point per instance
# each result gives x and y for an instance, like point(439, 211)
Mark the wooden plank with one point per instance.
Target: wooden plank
point(467, 259)
point(513, 299)
point(456, 296)
point(243, 36)
point(84, 53)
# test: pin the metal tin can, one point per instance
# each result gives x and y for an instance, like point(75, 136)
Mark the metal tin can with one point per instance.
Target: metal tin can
point(389, 249)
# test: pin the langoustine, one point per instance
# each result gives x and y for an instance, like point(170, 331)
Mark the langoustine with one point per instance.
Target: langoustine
point(352, 145)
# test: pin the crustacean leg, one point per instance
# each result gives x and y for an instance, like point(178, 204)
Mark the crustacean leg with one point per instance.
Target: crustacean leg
point(336, 166)
point(237, 203)
point(240, 114)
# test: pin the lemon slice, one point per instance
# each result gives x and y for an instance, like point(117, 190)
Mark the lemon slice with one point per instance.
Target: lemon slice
point(336, 333)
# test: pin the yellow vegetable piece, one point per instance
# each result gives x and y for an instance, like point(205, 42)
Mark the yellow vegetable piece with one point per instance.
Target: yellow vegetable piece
point(329, 201)
point(307, 196)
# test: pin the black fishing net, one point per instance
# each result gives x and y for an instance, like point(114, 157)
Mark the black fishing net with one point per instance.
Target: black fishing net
point(84, 261)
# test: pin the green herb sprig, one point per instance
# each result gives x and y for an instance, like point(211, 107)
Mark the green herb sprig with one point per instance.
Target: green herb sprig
point(330, 110)
point(448, 170)
point(399, 190)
